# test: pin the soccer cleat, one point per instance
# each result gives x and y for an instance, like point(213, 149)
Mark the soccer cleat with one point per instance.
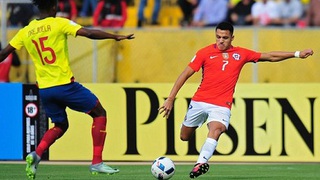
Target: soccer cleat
point(32, 160)
point(199, 169)
point(102, 168)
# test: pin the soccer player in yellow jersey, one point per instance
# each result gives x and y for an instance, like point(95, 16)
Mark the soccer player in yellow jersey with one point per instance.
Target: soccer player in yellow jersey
point(46, 41)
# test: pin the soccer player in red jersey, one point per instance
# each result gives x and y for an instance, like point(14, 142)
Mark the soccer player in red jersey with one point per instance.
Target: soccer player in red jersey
point(221, 64)
point(46, 41)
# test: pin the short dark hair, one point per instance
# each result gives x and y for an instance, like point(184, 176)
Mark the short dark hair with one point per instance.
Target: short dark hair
point(45, 4)
point(225, 26)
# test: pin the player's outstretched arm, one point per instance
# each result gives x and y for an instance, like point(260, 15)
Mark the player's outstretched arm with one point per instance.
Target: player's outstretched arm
point(276, 56)
point(99, 34)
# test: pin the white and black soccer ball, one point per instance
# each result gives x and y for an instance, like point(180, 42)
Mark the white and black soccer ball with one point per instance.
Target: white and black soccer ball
point(163, 168)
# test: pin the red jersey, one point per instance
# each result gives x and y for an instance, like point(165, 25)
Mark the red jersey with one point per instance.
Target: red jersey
point(220, 72)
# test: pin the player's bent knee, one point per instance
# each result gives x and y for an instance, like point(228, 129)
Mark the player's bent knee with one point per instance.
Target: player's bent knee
point(98, 111)
point(187, 132)
point(184, 137)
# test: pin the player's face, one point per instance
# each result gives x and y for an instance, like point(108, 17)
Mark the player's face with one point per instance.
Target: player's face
point(223, 39)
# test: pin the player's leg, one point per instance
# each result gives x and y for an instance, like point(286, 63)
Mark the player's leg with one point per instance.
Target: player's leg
point(33, 158)
point(84, 100)
point(187, 132)
point(215, 130)
point(217, 124)
point(57, 113)
point(208, 148)
point(51, 136)
point(99, 133)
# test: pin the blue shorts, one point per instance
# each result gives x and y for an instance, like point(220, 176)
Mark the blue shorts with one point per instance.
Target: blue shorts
point(72, 95)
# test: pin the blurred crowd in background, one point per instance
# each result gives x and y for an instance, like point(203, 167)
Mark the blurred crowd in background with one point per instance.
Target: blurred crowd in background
point(193, 13)
point(144, 14)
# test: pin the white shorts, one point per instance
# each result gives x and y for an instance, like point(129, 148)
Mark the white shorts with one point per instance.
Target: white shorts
point(200, 112)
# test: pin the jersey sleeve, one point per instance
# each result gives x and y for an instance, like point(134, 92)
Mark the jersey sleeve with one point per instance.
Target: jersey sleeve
point(69, 27)
point(252, 56)
point(17, 40)
point(196, 62)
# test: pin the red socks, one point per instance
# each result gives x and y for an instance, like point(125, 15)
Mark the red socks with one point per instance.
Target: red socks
point(99, 133)
point(48, 139)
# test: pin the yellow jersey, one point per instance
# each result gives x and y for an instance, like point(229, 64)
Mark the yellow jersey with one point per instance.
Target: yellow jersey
point(46, 42)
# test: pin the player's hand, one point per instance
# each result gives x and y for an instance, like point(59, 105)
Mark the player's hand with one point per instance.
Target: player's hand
point(122, 37)
point(166, 108)
point(306, 53)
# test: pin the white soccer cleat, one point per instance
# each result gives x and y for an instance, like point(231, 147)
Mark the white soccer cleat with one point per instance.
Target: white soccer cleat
point(102, 168)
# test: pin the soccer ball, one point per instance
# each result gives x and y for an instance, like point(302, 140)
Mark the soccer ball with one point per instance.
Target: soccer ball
point(162, 168)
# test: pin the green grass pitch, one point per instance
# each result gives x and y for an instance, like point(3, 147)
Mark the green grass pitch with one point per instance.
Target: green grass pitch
point(137, 171)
